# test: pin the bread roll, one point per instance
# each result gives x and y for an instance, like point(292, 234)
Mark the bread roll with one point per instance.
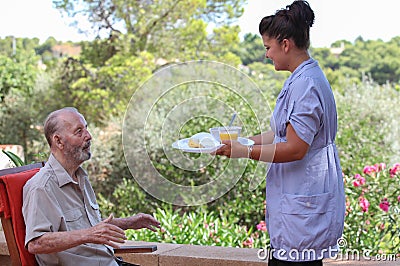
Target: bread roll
point(201, 140)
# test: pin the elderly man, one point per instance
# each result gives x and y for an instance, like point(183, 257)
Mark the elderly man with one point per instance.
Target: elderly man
point(62, 217)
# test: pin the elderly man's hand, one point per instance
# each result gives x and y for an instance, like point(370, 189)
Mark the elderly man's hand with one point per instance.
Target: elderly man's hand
point(137, 221)
point(142, 220)
point(106, 233)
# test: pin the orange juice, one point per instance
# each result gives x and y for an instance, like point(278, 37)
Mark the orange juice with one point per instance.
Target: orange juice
point(228, 136)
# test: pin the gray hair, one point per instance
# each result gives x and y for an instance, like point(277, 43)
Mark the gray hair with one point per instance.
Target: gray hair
point(52, 125)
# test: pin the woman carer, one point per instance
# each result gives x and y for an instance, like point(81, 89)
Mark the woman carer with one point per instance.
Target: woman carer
point(305, 194)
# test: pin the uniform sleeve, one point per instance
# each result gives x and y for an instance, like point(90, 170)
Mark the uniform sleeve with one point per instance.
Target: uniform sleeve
point(305, 109)
point(41, 213)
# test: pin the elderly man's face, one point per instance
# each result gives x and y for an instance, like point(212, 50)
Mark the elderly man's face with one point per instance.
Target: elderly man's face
point(76, 138)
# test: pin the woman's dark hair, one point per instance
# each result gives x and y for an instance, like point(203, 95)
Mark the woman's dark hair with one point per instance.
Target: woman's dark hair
point(292, 22)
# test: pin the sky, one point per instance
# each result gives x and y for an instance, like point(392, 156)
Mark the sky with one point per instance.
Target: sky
point(334, 20)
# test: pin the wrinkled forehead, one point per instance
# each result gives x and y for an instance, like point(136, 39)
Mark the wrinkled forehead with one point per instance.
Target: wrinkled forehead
point(71, 120)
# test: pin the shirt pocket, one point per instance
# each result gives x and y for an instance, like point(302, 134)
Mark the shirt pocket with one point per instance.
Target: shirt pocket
point(306, 221)
point(74, 219)
point(302, 204)
point(96, 211)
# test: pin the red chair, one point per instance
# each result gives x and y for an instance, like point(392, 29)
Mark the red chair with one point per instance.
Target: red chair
point(12, 181)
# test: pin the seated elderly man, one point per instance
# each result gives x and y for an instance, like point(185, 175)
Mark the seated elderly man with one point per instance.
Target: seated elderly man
point(62, 217)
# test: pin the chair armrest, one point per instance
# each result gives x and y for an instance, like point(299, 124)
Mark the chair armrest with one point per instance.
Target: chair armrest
point(135, 249)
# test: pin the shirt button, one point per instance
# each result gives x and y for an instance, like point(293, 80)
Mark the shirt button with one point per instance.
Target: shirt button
point(308, 204)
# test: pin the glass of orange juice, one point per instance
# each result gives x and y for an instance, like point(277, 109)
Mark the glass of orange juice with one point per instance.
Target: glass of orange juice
point(229, 133)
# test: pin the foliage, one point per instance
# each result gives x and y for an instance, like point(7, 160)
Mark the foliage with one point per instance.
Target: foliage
point(373, 209)
point(18, 73)
point(364, 128)
point(367, 122)
point(355, 61)
point(107, 168)
point(106, 91)
point(141, 34)
point(382, 64)
point(168, 29)
point(267, 79)
point(45, 50)
point(251, 49)
point(20, 104)
point(127, 198)
point(11, 46)
point(15, 159)
point(198, 228)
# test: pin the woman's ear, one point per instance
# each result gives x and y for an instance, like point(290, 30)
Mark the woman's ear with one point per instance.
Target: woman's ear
point(286, 45)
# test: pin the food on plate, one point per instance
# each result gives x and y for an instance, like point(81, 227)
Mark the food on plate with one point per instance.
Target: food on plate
point(195, 143)
point(201, 141)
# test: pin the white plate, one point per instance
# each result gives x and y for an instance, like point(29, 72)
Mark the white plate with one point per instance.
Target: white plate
point(183, 145)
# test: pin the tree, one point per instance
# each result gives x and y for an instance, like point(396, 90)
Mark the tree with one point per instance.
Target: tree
point(18, 77)
point(164, 28)
point(17, 73)
point(138, 33)
point(251, 49)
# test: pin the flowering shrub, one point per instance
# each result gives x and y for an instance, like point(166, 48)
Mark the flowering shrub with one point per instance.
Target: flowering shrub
point(372, 218)
point(366, 134)
point(373, 209)
point(197, 227)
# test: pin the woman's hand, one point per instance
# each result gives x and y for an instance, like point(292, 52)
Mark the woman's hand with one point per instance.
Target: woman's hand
point(233, 149)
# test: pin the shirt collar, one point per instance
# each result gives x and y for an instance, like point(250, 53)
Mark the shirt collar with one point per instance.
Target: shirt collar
point(62, 175)
point(309, 63)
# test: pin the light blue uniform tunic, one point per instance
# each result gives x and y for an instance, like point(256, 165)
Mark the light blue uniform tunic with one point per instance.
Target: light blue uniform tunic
point(305, 198)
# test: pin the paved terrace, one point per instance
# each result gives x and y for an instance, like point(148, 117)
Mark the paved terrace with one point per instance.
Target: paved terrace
point(191, 255)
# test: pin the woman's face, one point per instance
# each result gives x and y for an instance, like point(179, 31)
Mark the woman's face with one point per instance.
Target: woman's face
point(275, 51)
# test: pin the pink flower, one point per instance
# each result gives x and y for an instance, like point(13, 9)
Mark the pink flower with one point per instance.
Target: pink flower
point(398, 198)
point(379, 166)
point(359, 180)
point(249, 242)
point(384, 205)
point(262, 226)
point(364, 204)
point(393, 171)
point(369, 169)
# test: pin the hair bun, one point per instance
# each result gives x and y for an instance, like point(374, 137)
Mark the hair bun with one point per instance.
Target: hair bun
point(301, 12)
point(293, 22)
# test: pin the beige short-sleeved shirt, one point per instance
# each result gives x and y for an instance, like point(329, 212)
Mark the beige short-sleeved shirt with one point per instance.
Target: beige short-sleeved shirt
point(53, 202)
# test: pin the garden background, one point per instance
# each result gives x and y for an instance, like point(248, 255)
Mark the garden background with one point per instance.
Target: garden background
point(100, 76)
